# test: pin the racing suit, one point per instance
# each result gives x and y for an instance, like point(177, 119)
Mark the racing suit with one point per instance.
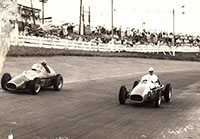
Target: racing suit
point(153, 78)
point(44, 71)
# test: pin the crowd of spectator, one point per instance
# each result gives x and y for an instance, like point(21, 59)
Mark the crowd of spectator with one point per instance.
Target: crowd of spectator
point(159, 38)
point(136, 37)
point(102, 35)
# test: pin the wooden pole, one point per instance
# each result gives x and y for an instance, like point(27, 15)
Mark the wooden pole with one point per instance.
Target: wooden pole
point(80, 18)
point(33, 16)
point(43, 12)
point(112, 17)
point(173, 21)
point(89, 18)
point(83, 21)
point(173, 41)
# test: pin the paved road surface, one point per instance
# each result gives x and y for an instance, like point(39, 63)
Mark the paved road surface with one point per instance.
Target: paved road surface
point(88, 107)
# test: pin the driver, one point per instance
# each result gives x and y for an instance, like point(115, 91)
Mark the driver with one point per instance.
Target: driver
point(44, 64)
point(151, 76)
point(43, 68)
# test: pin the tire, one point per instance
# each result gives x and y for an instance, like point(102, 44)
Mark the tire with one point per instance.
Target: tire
point(58, 83)
point(135, 84)
point(157, 100)
point(168, 93)
point(35, 86)
point(5, 78)
point(122, 95)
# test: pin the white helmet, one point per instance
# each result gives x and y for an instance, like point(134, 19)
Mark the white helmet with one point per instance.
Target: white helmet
point(151, 69)
point(44, 62)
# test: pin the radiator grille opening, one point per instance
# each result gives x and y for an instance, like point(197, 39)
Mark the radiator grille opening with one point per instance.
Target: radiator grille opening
point(11, 86)
point(136, 98)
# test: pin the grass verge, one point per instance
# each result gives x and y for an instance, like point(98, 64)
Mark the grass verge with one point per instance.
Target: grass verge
point(16, 51)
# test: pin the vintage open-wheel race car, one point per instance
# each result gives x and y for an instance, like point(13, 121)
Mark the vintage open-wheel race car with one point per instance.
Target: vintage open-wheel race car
point(32, 80)
point(146, 90)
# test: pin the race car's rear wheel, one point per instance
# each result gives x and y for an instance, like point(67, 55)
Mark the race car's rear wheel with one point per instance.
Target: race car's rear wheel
point(58, 83)
point(168, 93)
point(135, 84)
point(157, 100)
point(122, 95)
point(5, 78)
point(35, 86)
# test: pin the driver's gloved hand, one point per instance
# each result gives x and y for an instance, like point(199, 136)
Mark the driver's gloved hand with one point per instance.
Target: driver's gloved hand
point(46, 68)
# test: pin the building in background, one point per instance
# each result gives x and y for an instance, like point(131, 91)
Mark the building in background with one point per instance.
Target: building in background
point(29, 17)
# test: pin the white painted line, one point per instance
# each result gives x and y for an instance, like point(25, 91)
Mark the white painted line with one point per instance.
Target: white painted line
point(127, 74)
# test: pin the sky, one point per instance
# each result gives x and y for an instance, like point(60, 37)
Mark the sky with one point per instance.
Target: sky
point(157, 14)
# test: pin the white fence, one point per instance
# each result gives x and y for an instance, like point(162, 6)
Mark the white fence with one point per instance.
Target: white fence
point(31, 41)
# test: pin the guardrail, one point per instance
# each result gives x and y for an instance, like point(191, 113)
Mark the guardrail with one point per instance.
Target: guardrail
point(32, 41)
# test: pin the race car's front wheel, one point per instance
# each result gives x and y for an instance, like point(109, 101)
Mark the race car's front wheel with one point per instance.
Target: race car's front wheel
point(157, 100)
point(122, 95)
point(5, 78)
point(168, 93)
point(58, 83)
point(35, 86)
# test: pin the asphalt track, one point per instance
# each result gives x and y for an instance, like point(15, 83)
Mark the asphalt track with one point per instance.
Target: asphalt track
point(88, 108)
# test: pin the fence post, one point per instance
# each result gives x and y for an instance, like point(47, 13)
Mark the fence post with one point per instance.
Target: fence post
point(83, 45)
point(164, 50)
point(90, 46)
point(65, 43)
point(113, 47)
point(23, 38)
point(158, 48)
point(173, 50)
point(199, 48)
point(52, 42)
point(40, 42)
point(72, 44)
point(17, 40)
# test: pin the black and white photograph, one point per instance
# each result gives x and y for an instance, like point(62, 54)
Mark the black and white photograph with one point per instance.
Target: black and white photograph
point(99, 69)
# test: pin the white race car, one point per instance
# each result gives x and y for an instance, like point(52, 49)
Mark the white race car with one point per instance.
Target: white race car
point(146, 90)
point(32, 80)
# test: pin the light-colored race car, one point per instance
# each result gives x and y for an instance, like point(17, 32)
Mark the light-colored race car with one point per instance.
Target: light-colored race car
point(32, 80)
point(146, 90)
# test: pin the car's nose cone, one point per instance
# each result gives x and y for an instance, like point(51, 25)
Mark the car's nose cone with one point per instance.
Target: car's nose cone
point(11, 86)
point(139, 90)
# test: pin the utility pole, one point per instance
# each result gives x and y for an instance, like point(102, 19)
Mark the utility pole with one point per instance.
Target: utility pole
point(112, 17)
point(83, 21)
point(173, 21)
point(173, 26)
point(42, 12)
point(89, 16)
point(32, 12)
point(173, 41)
point(80, 18)
point(43, 1)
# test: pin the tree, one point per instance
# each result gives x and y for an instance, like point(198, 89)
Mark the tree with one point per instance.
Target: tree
point(43, 1)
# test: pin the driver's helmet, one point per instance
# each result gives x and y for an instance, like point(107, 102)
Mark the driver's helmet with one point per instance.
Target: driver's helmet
point(44, 62)
point(151, 69)
point(36, 67)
